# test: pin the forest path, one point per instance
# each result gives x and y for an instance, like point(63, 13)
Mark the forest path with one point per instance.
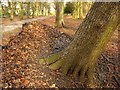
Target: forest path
point(18, 24)
point(13, 28)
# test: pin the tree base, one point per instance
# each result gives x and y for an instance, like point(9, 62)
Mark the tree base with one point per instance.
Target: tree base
point(82, 70)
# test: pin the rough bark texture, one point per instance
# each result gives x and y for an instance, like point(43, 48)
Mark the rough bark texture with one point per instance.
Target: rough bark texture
point(80, 56)
point(59, 14)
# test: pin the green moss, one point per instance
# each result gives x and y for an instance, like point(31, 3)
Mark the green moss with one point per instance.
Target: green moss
point(105, 36)
point(42, 61)
point(104, 39)
point(56, 65)
point(51, 59)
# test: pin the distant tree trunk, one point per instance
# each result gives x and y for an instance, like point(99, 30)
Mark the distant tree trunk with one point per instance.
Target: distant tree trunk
point(40, 8)
point(59, 14)
point(43, 8)
point(3, 10)
point(86, 8)
point(78, 10)
point(21, 10)
point(11, 8)
point(80, 57)
point(28, 9)
point(47, 7)
point(37, 9)
point(44, 11)
point(81, 11)
point(33, 9)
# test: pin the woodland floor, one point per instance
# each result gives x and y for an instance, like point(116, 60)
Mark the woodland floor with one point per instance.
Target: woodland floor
point(38, 39)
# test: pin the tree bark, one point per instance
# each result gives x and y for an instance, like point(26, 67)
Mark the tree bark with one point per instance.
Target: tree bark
point(33, 9)
point(80, 56)
point(81, 11)
point(86, 8)
point(3, 10)
point(47, 7)
point(36, 9)
point(21, 13)
point(28, 9)
point(59, 14)
point(78, 10)
point(11, 8)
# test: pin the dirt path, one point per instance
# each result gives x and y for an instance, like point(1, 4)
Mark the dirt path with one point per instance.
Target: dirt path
point(18, 24)
point(12, 29)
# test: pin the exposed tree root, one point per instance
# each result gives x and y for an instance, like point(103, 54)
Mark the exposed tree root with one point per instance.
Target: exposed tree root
point(56, 65)
point(83, 70)
point(51, 59)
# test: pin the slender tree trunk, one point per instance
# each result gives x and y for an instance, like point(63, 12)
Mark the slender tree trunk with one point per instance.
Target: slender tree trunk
point(37, 9)
point(28, 9)
point(78, 10)
point(3, 10)
point(75, 11)
point(59, 14)
point(33, 9)
point(40, 8)
point(21, 10)
point(46, 8)
point(80, 56)
point(86, 8)
point(11, 8)
point(81, 11)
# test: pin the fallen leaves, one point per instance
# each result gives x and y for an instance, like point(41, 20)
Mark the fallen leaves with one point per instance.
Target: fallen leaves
point(19, 56)
point(52, 86)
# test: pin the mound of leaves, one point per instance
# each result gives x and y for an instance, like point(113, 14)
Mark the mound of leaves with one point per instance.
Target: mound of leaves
point(34, 41)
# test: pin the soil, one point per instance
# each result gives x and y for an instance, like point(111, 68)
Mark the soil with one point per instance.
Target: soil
point(7, 21)
point(38, 39)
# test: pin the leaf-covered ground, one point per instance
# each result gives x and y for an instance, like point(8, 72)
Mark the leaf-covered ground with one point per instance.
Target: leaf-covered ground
point(20, 58)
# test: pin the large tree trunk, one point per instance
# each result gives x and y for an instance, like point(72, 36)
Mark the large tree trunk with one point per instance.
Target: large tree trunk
point(59, 14)
point(80, 56)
